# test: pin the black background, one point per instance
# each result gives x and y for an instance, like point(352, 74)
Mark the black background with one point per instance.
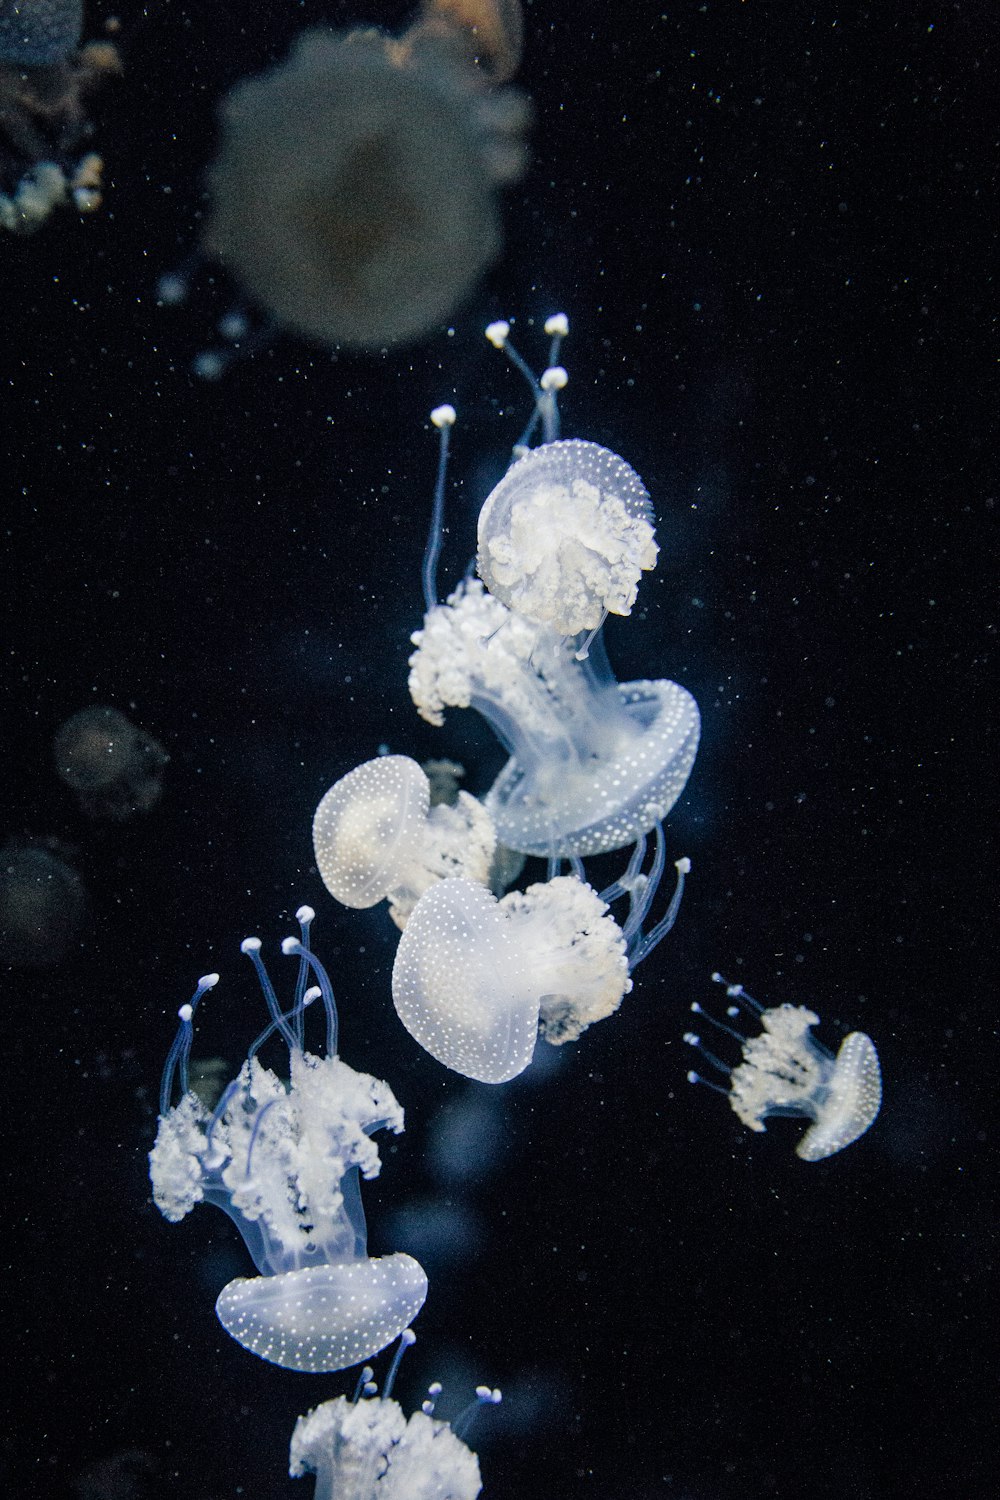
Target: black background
point(772, 229)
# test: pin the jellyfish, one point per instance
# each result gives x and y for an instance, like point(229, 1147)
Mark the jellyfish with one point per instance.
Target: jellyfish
point(45, 80)
point(283, 1160)
point(594, 764)
point(114, 767)
point(354, 194)
point(477, 980)
point(377, 837)
point(786, 1071)
point(43, 904)
point(366, 1449)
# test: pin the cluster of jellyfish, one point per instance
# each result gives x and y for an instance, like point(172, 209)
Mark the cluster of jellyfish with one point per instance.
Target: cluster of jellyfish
point(481, 971)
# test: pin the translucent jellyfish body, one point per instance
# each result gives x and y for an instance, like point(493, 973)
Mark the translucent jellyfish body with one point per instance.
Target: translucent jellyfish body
point(565, 536)
point(476, 980)
point(377, 837)
point(282, 1159)
point(594, 764)
point(114, 767)
point(786, 1071)
point(368, 1450)
point(36, 33)
point(354, 194)
point(42, 904)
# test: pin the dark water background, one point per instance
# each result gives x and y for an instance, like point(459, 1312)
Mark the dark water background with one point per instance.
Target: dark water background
point(772, 229)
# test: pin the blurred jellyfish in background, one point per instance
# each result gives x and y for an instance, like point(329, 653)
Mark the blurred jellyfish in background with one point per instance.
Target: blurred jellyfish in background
point(283, 1160)
point(354, 194)
point(46, 78)
point(114, 767)
point(786, 1071)
point(366, 1449)
point(42, 904)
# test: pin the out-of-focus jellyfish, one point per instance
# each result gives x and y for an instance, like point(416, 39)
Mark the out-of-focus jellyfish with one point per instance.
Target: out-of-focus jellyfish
point(476, 980)
point(45, 81)
point(366, 1449)
point(786, 1071)
point(114, 767)
point(42, 904)
point(283, 1159)
point(354, 194)
point(377, 837)
point(564, 538)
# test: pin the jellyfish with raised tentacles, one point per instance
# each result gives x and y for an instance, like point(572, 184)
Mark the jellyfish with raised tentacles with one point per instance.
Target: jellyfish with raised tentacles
point(46, 78)
point(283, 1160)
point(114, 767)
point(354, 194)
point(366, 1449)
point(786, 1071)
point(594, 764)
point(377, 837)
point(477, 980)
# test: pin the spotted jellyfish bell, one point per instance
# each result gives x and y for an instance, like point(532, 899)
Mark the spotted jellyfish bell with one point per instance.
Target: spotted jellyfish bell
point(283, 1161)
point(366, 1446)
point(786, 1071)
point(377, 837)
point(476, 980)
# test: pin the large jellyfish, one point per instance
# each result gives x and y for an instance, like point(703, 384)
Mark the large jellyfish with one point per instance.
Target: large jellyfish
point(563, 540)
point(477, 980)
point(45, 80)
point(114, 767)
point(377, 836)
point(366, 1449)
point(354, 193)
point(283, 1159)
point(786, 1071)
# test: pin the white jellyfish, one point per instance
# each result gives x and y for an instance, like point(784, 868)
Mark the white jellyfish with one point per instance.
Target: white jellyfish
point(477, 980)
point(786, 1071)
point(594, 764)
point(283, 1161)
point(366, 1449)
point(566, 535)
point(377, 837)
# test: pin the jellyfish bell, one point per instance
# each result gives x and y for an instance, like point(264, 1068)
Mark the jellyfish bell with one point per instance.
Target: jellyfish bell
point(491, 30)
point(283, 1161)
point(593, 763)
point(377, 837)
point(354, 193)
point(114, 767)
point(565, 536)
point(785, 1070)
point(37, 33)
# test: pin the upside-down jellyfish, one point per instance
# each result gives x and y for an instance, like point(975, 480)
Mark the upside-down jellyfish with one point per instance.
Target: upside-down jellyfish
point(366, 1449)
point(114, 767)
point(354, 193)
point(786, 1071)
point(377, 837)
point(283, 1159)
point(45, 79)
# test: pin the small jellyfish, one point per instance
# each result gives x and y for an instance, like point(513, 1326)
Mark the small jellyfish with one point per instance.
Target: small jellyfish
point(42, 904)
point(566, 535)
point(377, 837)
point(283, 1160)
point(786, 1071)
point(594, 763)
point(354, 193)
point(45, 79)
point(114, 767)
point(366, 1449)
point(477, 980)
